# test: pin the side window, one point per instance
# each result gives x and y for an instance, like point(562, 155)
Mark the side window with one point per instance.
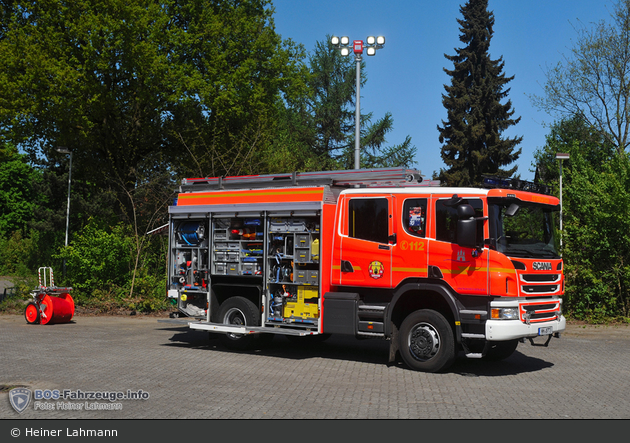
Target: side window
point(446, 220)
point(368, 219)
point(414, 216)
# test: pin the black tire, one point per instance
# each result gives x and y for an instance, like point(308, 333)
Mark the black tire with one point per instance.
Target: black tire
point(238, 311)
point(500, 350)
point(426, 341)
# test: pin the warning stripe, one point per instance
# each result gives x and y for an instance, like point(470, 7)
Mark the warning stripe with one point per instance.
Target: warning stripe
point(412, 270)
point(251, 196)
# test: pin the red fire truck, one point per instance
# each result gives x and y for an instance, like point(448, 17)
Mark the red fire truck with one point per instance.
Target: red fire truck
point(376, 253)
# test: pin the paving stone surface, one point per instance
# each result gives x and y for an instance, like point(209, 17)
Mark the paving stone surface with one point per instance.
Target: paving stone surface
point(583, 375)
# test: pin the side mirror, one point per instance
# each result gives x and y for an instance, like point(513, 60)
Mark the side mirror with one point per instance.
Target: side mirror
point(465, 212)
point(467, 233)
point(512, 210)
point(467, 227)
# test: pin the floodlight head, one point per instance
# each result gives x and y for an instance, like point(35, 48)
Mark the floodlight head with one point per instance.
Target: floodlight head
point(345, 51)
point(380, 40)
point(63, 150)
point(371, 40)
point(334, 40)
point(371, 50)
point(345, 40)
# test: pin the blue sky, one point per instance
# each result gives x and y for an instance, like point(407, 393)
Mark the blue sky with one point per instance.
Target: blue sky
point(406, 77)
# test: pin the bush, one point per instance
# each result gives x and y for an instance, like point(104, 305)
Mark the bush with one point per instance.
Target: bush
point(597, 227)
point(98, 259)
point(18, 254)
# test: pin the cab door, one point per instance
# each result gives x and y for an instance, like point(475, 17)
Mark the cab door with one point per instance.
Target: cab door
point(464, 269)
point(409, 255)
point(365, 238)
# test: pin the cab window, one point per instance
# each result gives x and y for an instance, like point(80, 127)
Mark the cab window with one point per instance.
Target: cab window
point(368, 219)
point(446, 219)
point(414, 216)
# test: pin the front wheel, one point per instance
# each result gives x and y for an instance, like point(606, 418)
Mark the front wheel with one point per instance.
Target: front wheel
point(238, 311)
point(32, 314)
point(426, 341)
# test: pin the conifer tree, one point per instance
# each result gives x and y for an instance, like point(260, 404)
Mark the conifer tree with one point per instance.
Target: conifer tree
point(472, 140)
point(324, 121)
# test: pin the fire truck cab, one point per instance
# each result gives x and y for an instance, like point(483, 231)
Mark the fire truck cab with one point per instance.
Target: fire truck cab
point(369, 253)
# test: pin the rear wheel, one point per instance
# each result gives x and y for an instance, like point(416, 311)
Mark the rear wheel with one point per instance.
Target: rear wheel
point(426, 341)
point(238, 311)
point(32, 314)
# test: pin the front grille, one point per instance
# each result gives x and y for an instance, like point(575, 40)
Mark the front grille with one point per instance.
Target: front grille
point(540, 278)
point(539, 289)
point(538, 312)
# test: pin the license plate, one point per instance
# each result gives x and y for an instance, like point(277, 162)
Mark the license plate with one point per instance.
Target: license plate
point(547, 330)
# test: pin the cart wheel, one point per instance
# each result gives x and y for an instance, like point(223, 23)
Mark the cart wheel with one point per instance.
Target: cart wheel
point(32, 314)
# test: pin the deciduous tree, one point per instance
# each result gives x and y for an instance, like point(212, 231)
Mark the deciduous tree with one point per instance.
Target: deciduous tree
point(596, 197)
point(593, 80)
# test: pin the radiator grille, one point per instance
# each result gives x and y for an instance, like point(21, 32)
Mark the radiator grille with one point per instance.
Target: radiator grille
point(535, 312)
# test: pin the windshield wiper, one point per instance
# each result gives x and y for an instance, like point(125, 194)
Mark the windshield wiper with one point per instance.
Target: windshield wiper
point(530, 253)
point(545, 254)
point(518, 252)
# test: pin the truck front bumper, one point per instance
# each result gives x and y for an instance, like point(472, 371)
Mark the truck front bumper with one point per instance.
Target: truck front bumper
point(502, 330)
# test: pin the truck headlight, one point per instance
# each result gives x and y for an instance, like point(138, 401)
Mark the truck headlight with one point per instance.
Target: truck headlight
point(504, 313)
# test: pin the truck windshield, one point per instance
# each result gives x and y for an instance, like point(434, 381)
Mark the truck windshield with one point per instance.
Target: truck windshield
point(523, 229)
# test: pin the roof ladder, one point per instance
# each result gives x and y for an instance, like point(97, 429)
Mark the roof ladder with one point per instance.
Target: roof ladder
point(384, 177)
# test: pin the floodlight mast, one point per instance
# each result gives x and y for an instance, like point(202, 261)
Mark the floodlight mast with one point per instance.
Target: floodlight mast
point(66, 151)
point(344, 46)
point(561, 156)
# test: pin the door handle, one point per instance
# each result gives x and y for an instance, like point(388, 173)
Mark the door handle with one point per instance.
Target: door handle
point(346, 266)
point(392, 239)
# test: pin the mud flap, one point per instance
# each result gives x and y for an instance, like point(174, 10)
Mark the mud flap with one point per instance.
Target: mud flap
point(393, 345)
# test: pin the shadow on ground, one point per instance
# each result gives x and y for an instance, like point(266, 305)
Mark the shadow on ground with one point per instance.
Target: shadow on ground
point(353, 349)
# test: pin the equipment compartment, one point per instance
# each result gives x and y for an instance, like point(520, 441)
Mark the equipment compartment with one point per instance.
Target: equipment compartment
point(292, 271)
point(239, 249)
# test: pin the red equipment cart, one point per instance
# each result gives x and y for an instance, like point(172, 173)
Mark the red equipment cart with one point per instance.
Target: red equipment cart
point(50, 304)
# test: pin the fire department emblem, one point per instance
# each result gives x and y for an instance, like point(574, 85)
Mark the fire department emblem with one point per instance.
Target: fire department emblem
point(19, 398)
point(376, 269)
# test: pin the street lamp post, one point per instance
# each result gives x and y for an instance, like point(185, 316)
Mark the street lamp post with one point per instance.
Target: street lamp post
point(561, 156)
point(371, 45)
point(67, 151)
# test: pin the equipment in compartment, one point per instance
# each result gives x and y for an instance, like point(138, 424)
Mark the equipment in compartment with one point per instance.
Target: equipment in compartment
point(305, 306)
point(315, 250)
point(191, 233)
point(278, 300)
point(245, 229)
point(238, 246)
point(293, 270)
point(281, 271)
point(193, 304)
point(189, 269)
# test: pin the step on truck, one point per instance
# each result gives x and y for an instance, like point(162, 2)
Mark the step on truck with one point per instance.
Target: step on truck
point(379, 254)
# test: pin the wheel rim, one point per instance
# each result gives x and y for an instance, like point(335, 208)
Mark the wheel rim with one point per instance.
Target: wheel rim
point(423, 341)
point(234, 316)
point(31, 313)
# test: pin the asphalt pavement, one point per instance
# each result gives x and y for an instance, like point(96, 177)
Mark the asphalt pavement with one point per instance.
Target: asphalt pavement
point(135, 367)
